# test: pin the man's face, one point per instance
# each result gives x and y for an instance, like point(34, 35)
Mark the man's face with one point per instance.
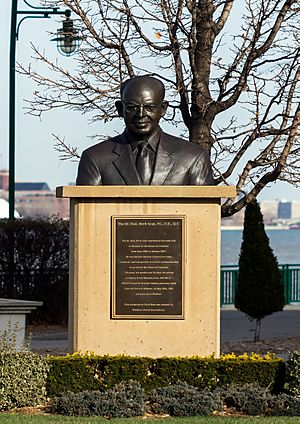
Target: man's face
point(142, 107)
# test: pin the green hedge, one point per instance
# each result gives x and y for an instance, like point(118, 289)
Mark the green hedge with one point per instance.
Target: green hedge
point(78, 373)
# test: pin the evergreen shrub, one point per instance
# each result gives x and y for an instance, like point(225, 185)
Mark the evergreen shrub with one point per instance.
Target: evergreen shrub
point(79, 373)
point(250, 399)
point(23, 378)
point(285, 405)
point(23, 374)
point(34, 258)
point(292, 382)
point(260, 289)
point(124, 400)
point(182, 400)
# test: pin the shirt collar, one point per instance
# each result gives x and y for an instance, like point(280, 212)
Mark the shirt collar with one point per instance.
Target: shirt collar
point(152, 140)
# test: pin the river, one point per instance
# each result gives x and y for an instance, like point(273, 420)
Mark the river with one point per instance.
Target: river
point(285, 244)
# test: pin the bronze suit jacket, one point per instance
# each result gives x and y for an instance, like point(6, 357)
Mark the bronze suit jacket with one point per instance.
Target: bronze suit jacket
point(178, 162)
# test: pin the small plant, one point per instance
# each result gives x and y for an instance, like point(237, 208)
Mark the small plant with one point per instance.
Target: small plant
point(78, 404)
point(285, 405)
point(292, 384)
point(182, 400)
point(250, 399)
point(123, 400)
point(9, 340)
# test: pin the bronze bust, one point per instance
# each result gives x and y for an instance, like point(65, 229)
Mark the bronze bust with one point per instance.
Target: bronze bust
point(143, 154)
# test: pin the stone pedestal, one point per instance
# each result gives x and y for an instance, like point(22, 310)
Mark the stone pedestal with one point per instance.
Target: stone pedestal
point(181, 259)
point(13, 318)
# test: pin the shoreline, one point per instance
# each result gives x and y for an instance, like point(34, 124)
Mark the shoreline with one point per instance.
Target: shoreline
point(267, 227)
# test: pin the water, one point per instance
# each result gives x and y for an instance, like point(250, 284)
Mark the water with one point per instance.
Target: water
point(285, 244)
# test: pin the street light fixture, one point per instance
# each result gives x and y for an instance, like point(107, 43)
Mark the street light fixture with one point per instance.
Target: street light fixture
point(67, 38)
point(67, 42)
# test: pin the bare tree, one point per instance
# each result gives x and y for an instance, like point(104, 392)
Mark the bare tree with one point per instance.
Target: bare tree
point(236, 94)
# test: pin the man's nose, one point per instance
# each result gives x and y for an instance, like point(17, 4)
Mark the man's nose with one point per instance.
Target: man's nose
point(141, 112)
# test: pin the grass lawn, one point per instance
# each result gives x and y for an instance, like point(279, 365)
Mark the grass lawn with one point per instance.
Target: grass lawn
point(36, 419)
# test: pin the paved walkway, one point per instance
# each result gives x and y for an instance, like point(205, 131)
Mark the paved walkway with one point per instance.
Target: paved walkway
point(234, 327)
point(50, 342)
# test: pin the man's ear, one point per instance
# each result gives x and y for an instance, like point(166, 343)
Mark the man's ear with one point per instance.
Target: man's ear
point(119, 107)
point(164, 107)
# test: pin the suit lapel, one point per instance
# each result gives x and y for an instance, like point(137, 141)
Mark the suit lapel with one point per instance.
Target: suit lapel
point(124, 162)
point(164, 161)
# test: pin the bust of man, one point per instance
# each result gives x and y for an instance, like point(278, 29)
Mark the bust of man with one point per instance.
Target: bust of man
point(143, 154)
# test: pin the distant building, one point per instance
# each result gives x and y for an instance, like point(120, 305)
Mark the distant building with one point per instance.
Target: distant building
point(36, 199)
point(289, 209)
point(295, 209)
point(33, 199)
point(284, 210)
point(275, 211)
point(32, 187)
point(269, 209)
point(3, 180)
point(236, 220)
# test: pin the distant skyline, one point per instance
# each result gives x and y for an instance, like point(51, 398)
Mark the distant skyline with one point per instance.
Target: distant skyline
point(36, 159)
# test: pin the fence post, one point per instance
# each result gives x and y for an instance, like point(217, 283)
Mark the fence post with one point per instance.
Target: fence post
point(287, 294)
point(222, 288)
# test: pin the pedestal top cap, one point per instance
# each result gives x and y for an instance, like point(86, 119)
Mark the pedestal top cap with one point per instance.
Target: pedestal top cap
point(146, 191)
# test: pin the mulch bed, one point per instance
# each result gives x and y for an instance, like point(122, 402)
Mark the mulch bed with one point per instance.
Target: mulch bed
point(279, 346)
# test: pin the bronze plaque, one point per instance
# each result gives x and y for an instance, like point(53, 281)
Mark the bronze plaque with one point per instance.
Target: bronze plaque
point(148, 267)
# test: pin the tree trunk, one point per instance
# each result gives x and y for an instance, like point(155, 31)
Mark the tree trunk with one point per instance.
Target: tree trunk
point(200, 133)
point(257, 330)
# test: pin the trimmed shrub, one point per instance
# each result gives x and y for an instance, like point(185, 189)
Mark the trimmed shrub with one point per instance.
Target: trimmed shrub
point(34, 257)
point(23, 375)
point(182, 400)
point(292, 381)
point(250, 399)
point(260, 290)
point(79, 373)
point(124, 400)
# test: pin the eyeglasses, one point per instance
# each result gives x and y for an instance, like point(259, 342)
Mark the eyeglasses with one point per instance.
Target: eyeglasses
point(134, 108)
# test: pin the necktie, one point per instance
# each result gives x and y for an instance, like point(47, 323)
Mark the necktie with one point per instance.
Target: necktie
point(143, 164)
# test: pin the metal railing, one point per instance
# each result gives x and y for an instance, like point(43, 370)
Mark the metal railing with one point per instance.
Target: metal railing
point(291, 280)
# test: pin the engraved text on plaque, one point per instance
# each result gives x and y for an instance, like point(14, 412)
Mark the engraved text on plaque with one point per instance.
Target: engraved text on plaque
point(148, 267)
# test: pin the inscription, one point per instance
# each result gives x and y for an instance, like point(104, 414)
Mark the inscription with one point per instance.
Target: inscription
point(147, 267)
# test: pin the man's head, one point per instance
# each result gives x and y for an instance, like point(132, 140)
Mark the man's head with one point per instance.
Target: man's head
point(142, 105)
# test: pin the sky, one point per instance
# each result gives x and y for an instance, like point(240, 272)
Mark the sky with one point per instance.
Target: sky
point(36, 159)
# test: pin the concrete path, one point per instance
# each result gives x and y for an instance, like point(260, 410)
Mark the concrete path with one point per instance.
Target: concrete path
point(50, 342)
point(234, 327)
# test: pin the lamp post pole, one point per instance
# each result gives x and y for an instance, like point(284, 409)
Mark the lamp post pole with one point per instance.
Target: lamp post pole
point(12, 110)
point(35, 12)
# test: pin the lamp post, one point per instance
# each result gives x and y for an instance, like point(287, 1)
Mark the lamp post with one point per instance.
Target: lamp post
point(67, 41)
